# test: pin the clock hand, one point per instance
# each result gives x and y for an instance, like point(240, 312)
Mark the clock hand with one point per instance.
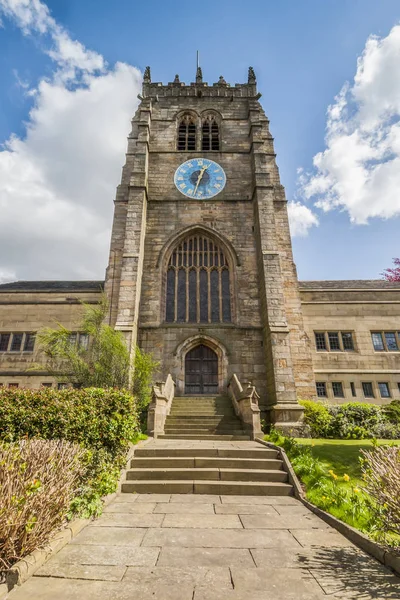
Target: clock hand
point(199, 179)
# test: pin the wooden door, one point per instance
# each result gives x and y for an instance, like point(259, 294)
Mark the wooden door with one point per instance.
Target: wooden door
point(201, 371)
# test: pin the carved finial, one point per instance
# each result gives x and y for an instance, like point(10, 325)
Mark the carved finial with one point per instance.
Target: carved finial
point(147, 75)
point(221, 81)
point(176, 80)
point(252, 76)
point(199, 75)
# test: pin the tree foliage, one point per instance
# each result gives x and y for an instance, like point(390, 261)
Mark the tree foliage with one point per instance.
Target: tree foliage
point(394, 273)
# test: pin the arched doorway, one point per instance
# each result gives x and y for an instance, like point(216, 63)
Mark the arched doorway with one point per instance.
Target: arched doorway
point(201, 371)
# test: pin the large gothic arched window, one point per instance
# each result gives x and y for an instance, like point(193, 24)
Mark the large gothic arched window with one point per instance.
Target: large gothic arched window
point(198, 283)
point(186, 133)
point(210, 134)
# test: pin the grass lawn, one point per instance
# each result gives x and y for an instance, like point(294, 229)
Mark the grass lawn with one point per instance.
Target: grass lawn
point(342, 456)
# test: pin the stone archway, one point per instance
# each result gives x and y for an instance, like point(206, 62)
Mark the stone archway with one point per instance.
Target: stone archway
point(192, 343)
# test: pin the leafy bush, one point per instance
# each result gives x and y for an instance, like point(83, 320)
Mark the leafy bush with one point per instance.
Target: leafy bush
point(381, 474)
point(38, 480)
point(103, 421)
point(317, 416)
point(392, 412)
point(142, 377)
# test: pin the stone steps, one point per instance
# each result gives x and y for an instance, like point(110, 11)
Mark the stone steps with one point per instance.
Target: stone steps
point(187, 462)
point(232, 453)
point(198, 436)
point(210, 474)
point(237, 488)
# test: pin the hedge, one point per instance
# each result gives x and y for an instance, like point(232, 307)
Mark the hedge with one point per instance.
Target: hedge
point(352, 420)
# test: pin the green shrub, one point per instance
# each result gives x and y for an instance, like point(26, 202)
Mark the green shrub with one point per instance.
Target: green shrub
point(354, 420)
point(392, 412)
point(103, 421)
point(317, 416)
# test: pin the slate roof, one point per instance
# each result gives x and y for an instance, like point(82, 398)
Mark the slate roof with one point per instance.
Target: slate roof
point(52, 286)
point(350, 284)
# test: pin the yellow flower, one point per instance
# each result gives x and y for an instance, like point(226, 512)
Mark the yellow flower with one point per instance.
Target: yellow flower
point(346, 477)
point(356, 490)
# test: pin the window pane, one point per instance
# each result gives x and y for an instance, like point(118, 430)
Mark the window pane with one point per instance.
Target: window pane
point(46, 384)
point(337, 389)
point(391, 341)
point(384, 390)
point(320, 341)
point(226, 297)
point(16, 342)
point(353, 389)
point(192, 296)
point(29, 342)
point(347, 339)
point(321, 389)
point(203, 296)
point(214, 282)
point(62, 386)
point(4, 341)
point(170, 312)
point(72, 338)
point(333, 340)
point(368, 389)
point(13, 385)
point(377, 341)
point(83, 341)
point(181, 314)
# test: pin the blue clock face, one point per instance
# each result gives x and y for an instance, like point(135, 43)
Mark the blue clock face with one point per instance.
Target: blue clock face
point(200, 178)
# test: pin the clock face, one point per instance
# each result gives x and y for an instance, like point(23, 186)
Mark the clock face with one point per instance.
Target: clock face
point(200, 178)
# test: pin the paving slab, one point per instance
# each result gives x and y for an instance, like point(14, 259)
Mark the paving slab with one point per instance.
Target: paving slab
point(126, 499)
point(273, 500)
point(320, 537)
point(276, 521)
point(204, 557)
point(203, 521)
point(216, 577)
point(112, 536)
point(246, 509)
point(182, 508)
point(123, 556)
point(151, 497)
point(220, 538)
point(285, 583)
point(128, 520)
point(193, 498)
point(92, 572)
point(134, 508)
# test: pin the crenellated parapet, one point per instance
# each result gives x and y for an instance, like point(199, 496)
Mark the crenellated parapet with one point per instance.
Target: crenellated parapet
point(199, 88)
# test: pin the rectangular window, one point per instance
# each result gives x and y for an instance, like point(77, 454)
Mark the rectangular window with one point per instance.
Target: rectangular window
point(13, 385)
point(398, 385)
point(16, 342)
point(337, 388)
point(321, 389)
point(347, 340)
point(83, 341)
point(29, 343)
point(391, 342)
point(384, 389)
point(368, 389)
point(320, 341)
point(62, 386)
point(72, 338)
point(377, 341)
point(46, 384)
point(333, 337)
point(4, 341)
point(353, 389)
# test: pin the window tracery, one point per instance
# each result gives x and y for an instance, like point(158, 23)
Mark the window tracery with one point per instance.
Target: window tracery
point(210, 139)
point(186, 133)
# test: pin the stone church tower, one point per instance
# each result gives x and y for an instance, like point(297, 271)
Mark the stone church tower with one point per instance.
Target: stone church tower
point(201, 270)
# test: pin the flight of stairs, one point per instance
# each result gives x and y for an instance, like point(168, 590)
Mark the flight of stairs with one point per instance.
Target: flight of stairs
point(211, 455)
point(203, 418)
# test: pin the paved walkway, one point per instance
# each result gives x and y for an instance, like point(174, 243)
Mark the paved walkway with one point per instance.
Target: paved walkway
point(197, 547)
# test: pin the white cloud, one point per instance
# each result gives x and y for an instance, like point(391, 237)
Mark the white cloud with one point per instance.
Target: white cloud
point(57, 183)
point(359, 171)
point(301, 219)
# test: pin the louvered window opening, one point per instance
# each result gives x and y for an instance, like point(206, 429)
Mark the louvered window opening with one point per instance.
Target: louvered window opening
point(187, 134)
point(210, 135)
point(198, 283)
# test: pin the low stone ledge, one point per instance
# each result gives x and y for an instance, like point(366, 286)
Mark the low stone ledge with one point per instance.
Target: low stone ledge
point(380, 553)
point(27, 566)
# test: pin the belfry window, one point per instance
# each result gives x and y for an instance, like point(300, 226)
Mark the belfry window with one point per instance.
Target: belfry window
point(187, 133)
point(210, 134)
point(198, 283)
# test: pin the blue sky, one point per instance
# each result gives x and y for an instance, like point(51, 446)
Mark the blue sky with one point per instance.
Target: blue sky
point(302, 52)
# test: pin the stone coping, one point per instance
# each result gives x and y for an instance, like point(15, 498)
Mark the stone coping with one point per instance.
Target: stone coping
point(27, 566)
point(383, 555)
